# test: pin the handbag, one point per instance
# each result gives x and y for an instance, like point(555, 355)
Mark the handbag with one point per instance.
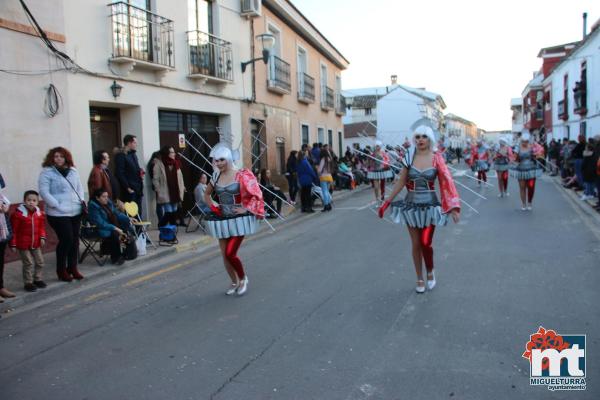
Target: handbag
point(167, 235)
point(131, 251)
point(84, 207)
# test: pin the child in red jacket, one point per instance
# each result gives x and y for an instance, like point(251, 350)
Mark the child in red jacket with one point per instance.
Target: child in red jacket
point(29, 236)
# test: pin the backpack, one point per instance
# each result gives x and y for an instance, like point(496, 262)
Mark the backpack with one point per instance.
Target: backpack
point(167, 235)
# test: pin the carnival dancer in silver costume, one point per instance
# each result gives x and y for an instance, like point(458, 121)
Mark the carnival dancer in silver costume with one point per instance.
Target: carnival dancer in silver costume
point(502, 159)
point(240, 205)
point(379, 170)
point(527, 168)
point(421, 210)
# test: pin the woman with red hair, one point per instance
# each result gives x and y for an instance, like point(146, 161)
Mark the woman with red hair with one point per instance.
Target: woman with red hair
point(60, 187)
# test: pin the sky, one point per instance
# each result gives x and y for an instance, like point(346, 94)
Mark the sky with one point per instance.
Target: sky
point(477, 54)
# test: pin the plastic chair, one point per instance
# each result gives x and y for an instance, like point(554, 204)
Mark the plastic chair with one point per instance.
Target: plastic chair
point(132, 210)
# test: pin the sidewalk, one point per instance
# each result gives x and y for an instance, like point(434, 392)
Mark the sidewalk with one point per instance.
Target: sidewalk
point(193, 241)
point(586, 207)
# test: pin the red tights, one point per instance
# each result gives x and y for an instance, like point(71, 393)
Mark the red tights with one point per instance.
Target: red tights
point(482, 176)
point(231, 249)
point(504, 180)
point(530, 183)
point(426, 239)
point(382, 189)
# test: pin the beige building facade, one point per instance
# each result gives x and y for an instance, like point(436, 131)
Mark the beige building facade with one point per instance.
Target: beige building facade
point(296, 95)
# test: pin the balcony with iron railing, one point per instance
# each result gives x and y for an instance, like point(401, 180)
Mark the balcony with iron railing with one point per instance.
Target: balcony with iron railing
point(279, 79)
point(306, 88)
point(563, 110)
point(340, 104)
point(141, 39)
point(210, 57)
point(580, 97)
point(327, 96)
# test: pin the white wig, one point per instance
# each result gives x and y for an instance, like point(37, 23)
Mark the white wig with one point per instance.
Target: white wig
point(220, 150)
point(525, 136)
point(427, 131)
point(502, 142)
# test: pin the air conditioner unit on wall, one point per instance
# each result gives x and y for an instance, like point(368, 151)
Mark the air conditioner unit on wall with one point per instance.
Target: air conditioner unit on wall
point(251, 8)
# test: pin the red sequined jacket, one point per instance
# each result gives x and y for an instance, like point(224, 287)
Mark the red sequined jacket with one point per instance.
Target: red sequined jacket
point(251, 196)
point(449, 194)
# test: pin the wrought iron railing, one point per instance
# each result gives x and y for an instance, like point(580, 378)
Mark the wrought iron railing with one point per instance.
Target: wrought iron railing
point(306, 87)
point(279, 75)
point(580, 97)
point(340, 104)
point(562, 109)
point(141, 35)
point(327, 96)
point(209, 55)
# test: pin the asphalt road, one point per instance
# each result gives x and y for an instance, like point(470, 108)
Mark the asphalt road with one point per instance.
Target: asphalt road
point(331, 313)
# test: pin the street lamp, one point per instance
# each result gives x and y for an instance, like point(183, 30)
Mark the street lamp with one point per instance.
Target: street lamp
point(116, 89)
point(267, 41)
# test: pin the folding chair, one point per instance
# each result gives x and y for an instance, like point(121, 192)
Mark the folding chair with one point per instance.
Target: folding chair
point(191, 214)
point(316, 192)
point(88, 235)
point(132, 210)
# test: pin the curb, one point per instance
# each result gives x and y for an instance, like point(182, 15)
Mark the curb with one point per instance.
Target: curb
point(583, 206)
point(207, 243)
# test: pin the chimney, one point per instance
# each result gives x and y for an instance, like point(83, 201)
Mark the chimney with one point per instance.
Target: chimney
point(394, 79)
point(584, 25)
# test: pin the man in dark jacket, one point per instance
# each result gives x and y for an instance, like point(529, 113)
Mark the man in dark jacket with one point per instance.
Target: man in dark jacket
point(129, 173)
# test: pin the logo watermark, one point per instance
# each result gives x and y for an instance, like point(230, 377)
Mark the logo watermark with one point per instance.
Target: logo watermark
point(556, 361)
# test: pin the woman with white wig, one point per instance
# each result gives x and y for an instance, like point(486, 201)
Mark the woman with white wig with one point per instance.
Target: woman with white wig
point(379, 170)
point(421, 210)
point(240, 204)
point(527, 168)
point(479, 160)
point(502, 159)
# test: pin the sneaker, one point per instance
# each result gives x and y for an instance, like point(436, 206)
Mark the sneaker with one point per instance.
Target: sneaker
point(431, 282)
point(232, 289)
point(243, 287)
point(529, 208)
point(40, 284)
point(420, 289)
point(506, 194)
point(30, 287)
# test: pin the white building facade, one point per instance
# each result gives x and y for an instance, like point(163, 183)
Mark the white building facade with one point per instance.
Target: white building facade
point(177, 65)
point(459, 131)
point(516, 106)
point(402, 107)
point(575, 90)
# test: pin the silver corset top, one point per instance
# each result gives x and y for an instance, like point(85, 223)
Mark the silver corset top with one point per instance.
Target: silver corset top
point(422, 181)
point(226, 196)
point(525, 155)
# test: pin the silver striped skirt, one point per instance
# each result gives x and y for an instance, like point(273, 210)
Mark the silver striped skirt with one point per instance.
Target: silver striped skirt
point(480, 165)
point(501, 167)
point(418, 215)
point(382, 174)
point(226, 227)
point(526, 173)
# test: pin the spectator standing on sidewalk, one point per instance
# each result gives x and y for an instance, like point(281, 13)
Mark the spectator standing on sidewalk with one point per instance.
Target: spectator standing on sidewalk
point(577, 156)
point(325, 178)
point(29, 236)
point(101, 177)
point(5, 236)
point(60, 187)
point(597, 158)
point(588, 171)
point(270, 194)
point(306, 178)
point(553, 154)
point(168, 183)
point(129, 173)
point(291, 174)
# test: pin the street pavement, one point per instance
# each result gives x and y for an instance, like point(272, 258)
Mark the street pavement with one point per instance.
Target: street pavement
point(331, 313)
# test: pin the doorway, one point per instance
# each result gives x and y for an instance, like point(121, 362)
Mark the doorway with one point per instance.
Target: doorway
point(105, 124)
point(177, 131)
